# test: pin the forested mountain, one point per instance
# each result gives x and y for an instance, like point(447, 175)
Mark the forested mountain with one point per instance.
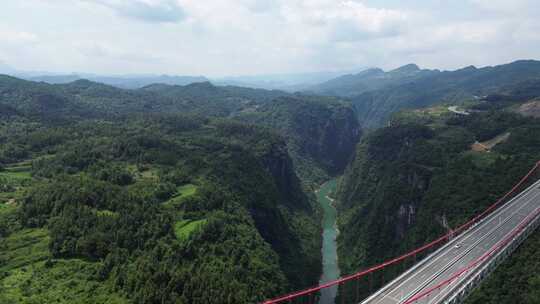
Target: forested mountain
point(155, 209)
point(163, 194)
point(370, 80)
point(375, 107)
point(413, 180)
point(85, 99)
point(39, 99)
point(291, 82)
point(186, 193)
point(125, 82)
point(208, 99)
point(258, 151)
point(321, 132)
point(376, 94)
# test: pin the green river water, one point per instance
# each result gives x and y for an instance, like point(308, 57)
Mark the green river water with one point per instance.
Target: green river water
point(329, 247)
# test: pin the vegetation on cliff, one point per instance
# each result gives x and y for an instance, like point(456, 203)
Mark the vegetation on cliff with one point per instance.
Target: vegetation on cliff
point(413, 180)
point(376, 95)
point(162, 194)
point(321, 133)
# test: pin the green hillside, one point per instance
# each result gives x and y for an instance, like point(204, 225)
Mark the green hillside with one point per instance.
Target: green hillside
point(412, 180)
point(376, 95)
point(100, 203)
point(320, 132)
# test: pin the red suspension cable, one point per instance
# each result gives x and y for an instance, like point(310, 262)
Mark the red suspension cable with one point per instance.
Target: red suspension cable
point(414, 252)
point(481, 259)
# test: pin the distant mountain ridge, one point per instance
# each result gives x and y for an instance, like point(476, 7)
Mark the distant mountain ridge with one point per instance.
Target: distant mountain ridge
point(376, 94)
point(368, 80)
point(125, 82)
point(290, 82)
point(86, 99)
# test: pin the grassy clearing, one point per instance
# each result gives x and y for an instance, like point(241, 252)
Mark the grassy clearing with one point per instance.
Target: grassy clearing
point(23, 249)
point(186, 190)
point(184, 228)
point(6, 207)
point(148, 174)
point(20, 167)
point(107, 213)
point(17, 172)
point(181, 193)
point(433, 117)
point(432, 112)
point(13, 180)
point(28, 275)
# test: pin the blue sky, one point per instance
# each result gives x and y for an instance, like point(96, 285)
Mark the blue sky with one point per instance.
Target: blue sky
point(242, 37)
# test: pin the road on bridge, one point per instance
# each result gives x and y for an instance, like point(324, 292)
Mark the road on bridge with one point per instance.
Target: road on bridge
point(459, 253)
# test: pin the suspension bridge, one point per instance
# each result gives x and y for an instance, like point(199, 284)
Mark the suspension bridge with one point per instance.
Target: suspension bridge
point(446, 269)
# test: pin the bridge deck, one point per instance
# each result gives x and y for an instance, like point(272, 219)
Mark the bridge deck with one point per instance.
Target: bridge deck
point(472, 245)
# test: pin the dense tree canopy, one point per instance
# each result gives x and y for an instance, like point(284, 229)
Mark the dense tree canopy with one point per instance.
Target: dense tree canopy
point(188, 194)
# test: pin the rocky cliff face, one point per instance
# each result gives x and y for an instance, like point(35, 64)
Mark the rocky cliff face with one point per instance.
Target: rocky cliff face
point(293, 227)
point(281, 211)
point(334, 139)
point(279, 164)
point(321, 133)
point(380, 194)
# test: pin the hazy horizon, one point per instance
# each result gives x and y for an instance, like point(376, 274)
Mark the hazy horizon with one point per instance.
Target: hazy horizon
point(251, 37)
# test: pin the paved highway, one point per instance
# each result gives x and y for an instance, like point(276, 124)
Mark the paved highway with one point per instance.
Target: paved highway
point(459, 253)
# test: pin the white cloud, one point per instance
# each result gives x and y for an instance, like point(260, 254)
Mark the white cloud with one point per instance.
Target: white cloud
point(15, 43)
point(17, 37)
point(346, 20)
point(100, 51)
point(146, 10)
point(519, 7)
point(216, 37)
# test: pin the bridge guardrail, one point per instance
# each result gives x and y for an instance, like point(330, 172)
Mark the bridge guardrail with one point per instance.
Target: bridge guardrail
point(466, 286)
point(493, 251)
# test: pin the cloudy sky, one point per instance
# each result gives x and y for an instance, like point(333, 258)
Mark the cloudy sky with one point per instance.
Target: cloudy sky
point(242, 37)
